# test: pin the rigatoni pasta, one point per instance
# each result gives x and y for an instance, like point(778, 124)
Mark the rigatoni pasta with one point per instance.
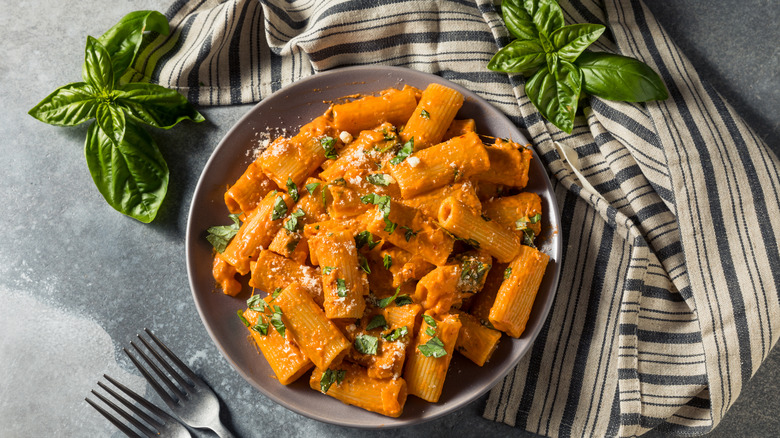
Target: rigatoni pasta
point(381, 238)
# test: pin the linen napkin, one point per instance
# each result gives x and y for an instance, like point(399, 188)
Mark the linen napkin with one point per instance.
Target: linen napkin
point(668, 298)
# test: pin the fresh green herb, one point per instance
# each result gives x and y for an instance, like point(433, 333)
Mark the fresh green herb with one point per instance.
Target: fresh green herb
point(434, 347)
point(560, 70)
point(387, 261)
point(403, 153)
point(384, 206)
point(123, 159)
point(528, 237)
point(341, 288)
point(260, 327)
point(329, 377)
point(240, 314)
point(280, 209)
point(329, 144)
point(364, 238)
point(472, 273)
point(256, 303)
point(403, 300)
point(292, 224)
point(429, 320)
point(430, 331)
point(456, 173)
point(363, 263)
point(470, 242)
point(396, 334)
point(220, 236)
point(487, 324)
point(507, 273)
point(535, 218)
point(378, 179)
point(425, 114)
point(276, 293)
point(276, 320)
point(384, 302)
point(292, 189)
point(377, 321)
point(292, 244)
point(485, 218)
point(327, 270)
point(338, 182)
point(409, 233)
point(366, 344)
point(311, 187)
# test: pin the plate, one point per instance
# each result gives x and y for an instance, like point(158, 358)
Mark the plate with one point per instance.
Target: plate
point(288, 109)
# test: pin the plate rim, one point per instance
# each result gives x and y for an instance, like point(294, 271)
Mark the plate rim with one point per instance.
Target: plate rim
point(192, 237)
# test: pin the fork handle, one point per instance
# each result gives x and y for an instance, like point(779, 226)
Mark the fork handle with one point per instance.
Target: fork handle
point(221, 430)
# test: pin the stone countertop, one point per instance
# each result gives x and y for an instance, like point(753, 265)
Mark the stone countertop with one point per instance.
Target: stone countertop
point(78, 279)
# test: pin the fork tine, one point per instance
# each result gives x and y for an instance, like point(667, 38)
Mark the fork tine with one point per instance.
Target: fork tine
point(145, 430)
point(166, 365)
point(145, 403)
point(173, 357)
point(168, 382)
point(170, 401)
point(121, 426)
point(144, 416)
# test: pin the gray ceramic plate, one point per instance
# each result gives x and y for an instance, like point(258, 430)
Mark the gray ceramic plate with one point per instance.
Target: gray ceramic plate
point(288, 109)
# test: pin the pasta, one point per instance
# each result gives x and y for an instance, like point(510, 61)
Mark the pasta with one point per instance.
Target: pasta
point(379, 240)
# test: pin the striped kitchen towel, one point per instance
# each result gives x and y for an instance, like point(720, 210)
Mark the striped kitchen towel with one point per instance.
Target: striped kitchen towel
point(668, 299)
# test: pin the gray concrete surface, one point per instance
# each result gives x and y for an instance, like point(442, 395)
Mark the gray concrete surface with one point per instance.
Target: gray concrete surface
point(78, 280)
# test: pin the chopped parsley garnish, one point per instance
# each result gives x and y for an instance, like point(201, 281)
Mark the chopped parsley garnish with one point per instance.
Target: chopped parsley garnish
point(378, 179)
point(384, 206)
point(292, 224)
point(364, 238)
point(260, 327)
point(219, 236)
point(429, 320)
point(434, 347)
point(387, 261)
point(507, 273)
point(377, 321)
point(396, 334)
point(276, 293)
point(311, 187)
point(363, 263)
point(403, 153)
point(430, 332)
point(409, 233)
point(329, 144)
point(366, 344)
point(256, 303)
point(327, 270)
point(292, 189)
point(329, 377)
point(341, 288)
point(280, 209)
point(384, 302)
point(291, 245)
point(276, 320)
point(425, 114)
point(241, 317)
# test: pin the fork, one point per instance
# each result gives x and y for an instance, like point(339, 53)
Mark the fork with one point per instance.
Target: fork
point(161, 425)
point(193, 401)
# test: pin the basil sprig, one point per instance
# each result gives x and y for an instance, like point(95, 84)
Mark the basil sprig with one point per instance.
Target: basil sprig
point(125, 162)
point(560, 70)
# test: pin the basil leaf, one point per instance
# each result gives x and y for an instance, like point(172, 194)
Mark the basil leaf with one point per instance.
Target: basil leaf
point(341, 288)
point(429, 320)
point(616, 77)
point(327, 270)
point(260, 327)
point(434, 347)
point(276, 293)
point(377, 321)
point(329, 377)
point(155, 105)
point(363, 263)
point(124, 39)
point(280, 209)
point(409, 233)
point(312, 187)
point(403, 300)
point(97, 70)
point(240, 314)
point(535, 218)
point(364, 238)
point(111, 121)
point(430, 332)
point(384, 302)
point(256, 303)
point(68, 105)
point(570, 41)
point(292, 224)
point(518, 21)
point(546, 15)
point(507, 273)
point(378, 179)
point(552, 63)
point(387, 261)
point(329, 144)
point(402, 154)
point(528, 237)
point(131, 176)
point(555, 96)
point(519, 56)
point(366, 344)
point(219, 236)
point(292, 189)
point(396, 334)
point(425, 114)
point(276, 320)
